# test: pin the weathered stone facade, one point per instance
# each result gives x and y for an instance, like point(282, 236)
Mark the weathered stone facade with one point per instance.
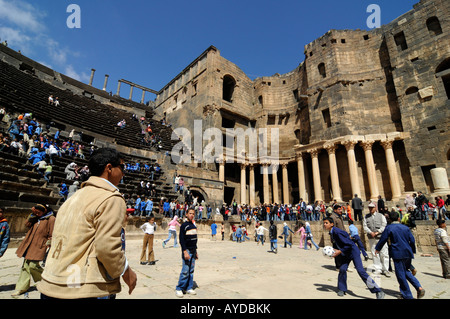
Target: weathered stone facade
point(367, 112)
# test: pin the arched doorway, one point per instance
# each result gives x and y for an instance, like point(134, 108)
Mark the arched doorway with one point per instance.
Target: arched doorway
point(229, 83)
point(200, 194)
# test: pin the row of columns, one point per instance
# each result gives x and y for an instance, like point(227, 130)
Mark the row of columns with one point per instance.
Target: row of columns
point(132, 86)
point(334, 174)
point(266, 167)
point(353, 172)
point(131, 91)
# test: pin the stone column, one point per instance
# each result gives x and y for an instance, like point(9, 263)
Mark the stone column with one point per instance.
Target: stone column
point(331, 149)
point(143, 97)
point(106, 82)
point(221, 170)
point(316, 174)
point(265, 171)
point(131, 92)
point(118, 88)
point(301, 177)
point(371, 173)
point(440, 180)
point(392, 169)
point(251, 171)
point(92, 77)
point(275, 183)
point(243, 184)
point(353, 167)
point(285, 183)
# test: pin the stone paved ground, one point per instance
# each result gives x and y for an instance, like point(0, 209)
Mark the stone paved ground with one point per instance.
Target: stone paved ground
point(228, 270)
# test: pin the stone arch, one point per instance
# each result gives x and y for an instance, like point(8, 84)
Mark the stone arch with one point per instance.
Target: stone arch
point(229, 84)
point(198, 191)
point(434, 26)
point(322, 70)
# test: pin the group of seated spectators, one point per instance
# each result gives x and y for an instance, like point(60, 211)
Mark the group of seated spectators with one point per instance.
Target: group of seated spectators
point(53, 101)
point(27, 137)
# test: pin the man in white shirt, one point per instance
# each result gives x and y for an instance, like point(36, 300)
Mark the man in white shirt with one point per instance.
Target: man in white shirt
point(149, 228)
point(374, 224)
point(443, 247)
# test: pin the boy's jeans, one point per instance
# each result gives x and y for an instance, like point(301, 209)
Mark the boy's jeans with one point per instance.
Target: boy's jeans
point(186, 280)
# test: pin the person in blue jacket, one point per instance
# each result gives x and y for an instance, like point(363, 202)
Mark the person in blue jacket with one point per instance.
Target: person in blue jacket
point(346, 250)
point(149, 207)
point(239, 234)
point(4, 233)
point(64, 191)
point(166, 208)
point(137, 206)
point(285, 233)
point(403, 247)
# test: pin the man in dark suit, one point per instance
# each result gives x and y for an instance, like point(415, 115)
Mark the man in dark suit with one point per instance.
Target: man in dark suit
point(357, 206)
point(347, 251)
point(403, 247)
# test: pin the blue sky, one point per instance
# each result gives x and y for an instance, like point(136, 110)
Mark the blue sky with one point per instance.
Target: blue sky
point(149, 42)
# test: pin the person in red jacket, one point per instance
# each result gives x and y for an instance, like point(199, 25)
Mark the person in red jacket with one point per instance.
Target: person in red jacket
point(440, 205)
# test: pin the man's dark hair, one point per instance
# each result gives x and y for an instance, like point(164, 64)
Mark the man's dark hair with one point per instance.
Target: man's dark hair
point(102, 157)
point(439, 222)
point(393, 216)
point(329, 219)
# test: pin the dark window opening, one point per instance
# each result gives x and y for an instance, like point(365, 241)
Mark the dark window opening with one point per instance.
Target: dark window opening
point(415, 59)
point(296, 96)
point(227, 123)
point(229, 84)
point(27, 68)
point(326, 117)
point(444, 69)
point(446, 81)
point(434, 26)
point(333, 41)
point(260, 99)
point(412, 90)
point(366, 37)
point(400, 41)
point(322, 71)
point(431, 128)
point(342, 40)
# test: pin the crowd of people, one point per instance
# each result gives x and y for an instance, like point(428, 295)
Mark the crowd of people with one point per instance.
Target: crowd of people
point(104, 180)
point(28, 138)
point(149, 136)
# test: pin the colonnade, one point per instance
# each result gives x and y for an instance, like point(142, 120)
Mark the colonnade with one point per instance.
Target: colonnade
point(313, 151)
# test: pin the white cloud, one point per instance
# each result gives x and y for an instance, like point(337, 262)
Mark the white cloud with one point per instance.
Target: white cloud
point(70, 72)
point(23, 26)
point(57, 54)
point(22, 14)
point(14, 36)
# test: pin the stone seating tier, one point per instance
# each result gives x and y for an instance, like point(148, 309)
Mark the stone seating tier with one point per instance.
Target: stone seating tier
point(24, 92)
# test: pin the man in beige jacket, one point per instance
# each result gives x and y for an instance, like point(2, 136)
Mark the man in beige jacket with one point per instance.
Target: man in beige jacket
point(87, 257)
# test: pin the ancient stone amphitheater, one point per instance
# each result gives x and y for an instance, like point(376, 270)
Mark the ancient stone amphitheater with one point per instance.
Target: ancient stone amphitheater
point(366, 112)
